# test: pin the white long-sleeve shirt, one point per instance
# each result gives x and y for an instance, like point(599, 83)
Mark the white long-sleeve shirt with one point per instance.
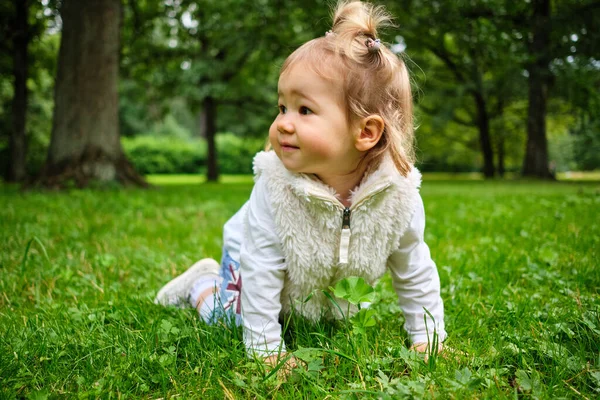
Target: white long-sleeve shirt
point(263, 268)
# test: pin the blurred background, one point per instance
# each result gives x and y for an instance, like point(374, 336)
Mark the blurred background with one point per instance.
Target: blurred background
point(89, 89)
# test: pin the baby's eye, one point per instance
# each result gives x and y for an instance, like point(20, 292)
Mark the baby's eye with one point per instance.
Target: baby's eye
point(282, 109)
point(305, 110)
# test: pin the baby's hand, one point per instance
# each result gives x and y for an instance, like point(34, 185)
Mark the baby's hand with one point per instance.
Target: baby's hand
point(285, 369)
point(424, 348)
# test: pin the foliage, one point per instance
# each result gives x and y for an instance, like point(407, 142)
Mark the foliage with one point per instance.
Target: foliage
point(517, 264)
point(474, 52)
point(469, 76)
point(236, 154)
point(354, 290)
point(586, 148)
point(174, 53)
point(168, 154)
point(164, 155)
point(359, 293)
point(43, 50)
point(179, 49)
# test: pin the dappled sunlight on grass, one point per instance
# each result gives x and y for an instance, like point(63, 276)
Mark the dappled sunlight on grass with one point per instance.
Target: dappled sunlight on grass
point(450, 176)
point(194, 179)
point(579, 176)
point(572, 176)
point(589, 176)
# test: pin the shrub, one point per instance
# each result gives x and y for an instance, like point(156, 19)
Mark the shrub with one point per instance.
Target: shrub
point(37, 150)
point(165, 155)
point(586, 148)
point(172, 155)
point(235, 154)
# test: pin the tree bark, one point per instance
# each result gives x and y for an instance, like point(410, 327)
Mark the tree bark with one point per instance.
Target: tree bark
point(536, 152)
point(201, 123)
point(500, 138)
point(210, 120)
point(485, 142)
point(501, 167)
point(18, 138)
point(85, 145)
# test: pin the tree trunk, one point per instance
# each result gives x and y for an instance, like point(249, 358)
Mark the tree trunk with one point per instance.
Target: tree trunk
point(18, 140)
point(210, 114)
point(85, 144)
point(536, 152)
point(485, 142)
point(500, 137)
point(201, 121)
point(501, 168)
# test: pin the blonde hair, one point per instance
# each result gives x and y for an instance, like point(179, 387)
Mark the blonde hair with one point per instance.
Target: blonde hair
point(372, 82)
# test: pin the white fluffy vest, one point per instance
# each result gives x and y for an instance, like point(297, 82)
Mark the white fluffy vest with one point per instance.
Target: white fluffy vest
point(308, 218)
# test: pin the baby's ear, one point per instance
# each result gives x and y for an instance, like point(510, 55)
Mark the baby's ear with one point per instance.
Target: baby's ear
point(371, 129)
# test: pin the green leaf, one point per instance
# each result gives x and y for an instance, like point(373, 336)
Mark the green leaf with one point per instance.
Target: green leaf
point(307, 355)
point(355, 290)
point(463, 376)
point(239, 382)
point(315, 365)
point(549, 255)
point(165, 326)
point(596, 378)
point(364, 319)
point(39, 395)
point(528, 382)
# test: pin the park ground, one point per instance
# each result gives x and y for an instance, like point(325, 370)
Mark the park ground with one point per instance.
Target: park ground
point(518, 263)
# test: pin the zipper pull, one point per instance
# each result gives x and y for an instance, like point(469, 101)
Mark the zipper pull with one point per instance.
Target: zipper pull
point(345, 237)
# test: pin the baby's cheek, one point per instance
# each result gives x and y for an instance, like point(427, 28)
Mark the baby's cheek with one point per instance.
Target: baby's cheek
point(273, 139)
point(323, 147)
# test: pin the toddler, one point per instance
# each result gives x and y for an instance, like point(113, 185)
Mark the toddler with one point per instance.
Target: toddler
point(336, 195)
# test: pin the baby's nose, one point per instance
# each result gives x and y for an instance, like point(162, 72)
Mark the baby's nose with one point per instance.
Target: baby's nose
point(285, 125)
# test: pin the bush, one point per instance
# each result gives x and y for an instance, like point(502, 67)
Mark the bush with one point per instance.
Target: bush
point(37, 150)
point(165, 155)
point(162, 154)
point(586, 148)
point(172, 155)
point(235, 154)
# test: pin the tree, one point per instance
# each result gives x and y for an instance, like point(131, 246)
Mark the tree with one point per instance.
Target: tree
point(219, 60)
point(85, 144)
point(497, 41)
point(472, 61)
point(563, 45)
point(18, 144)
point(544, 25)
point(23, 59)
point(221, 57)
point(536, 160)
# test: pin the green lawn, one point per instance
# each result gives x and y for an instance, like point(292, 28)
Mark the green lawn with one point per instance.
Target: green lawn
point(518, 264)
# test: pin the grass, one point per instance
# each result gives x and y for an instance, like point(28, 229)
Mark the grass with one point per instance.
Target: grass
point(168, 180)
point(576, 176)
point(78, 271)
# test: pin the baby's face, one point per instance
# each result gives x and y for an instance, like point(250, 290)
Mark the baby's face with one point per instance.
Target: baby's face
point(311, 133)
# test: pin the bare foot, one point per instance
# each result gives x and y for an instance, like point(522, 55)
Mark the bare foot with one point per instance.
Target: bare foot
point(424, 348)
point(285, 371)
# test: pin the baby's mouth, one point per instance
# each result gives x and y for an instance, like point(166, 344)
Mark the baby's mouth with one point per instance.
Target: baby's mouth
point(288, 147)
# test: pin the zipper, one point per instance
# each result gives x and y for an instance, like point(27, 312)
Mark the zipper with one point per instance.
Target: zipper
point(345, 237)
point(346, 213)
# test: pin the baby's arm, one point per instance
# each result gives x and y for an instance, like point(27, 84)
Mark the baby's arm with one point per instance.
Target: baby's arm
point(262, 267)
point(417, 283)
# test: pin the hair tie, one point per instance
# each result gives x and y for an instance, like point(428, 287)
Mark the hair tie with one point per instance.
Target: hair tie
point(373, 45)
